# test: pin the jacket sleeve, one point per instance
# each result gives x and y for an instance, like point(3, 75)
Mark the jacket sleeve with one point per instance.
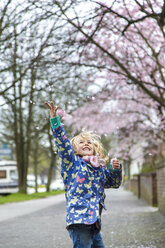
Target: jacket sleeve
point(65, 149)
point(113, 178)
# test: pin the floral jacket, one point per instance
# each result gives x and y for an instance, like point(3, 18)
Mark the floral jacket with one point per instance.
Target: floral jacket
point(84, 184)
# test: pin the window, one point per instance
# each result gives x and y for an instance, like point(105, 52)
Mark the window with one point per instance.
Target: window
point(2, 174)
point(13, 175)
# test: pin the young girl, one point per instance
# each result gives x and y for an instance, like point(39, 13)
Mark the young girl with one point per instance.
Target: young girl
point(85, 177)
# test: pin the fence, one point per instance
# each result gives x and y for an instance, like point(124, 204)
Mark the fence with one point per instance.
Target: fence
point(150, 187)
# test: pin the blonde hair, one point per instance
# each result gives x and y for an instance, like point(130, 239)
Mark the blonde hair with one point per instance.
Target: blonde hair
point(97, 145)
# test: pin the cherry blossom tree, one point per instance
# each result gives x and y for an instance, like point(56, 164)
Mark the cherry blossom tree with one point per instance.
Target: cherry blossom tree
point(124, 42)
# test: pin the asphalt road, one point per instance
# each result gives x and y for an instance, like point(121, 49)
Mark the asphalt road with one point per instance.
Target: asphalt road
point(127, 223)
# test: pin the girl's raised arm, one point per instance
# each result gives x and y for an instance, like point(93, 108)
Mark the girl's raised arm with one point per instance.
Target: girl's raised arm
point(65, 149)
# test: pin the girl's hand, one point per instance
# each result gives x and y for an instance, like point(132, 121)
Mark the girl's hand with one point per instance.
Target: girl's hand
point(115, 163)
point(52, 109)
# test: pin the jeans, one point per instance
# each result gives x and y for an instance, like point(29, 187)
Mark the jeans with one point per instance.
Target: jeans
point(83, 238)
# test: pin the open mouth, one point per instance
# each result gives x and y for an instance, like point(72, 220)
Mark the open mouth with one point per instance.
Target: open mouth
point(86, 149)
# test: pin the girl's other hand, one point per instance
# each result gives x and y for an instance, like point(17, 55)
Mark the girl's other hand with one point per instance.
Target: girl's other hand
point(52, 109)
point(115, 163)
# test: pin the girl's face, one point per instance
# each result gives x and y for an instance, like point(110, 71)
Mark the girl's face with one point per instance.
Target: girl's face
point(84, 146)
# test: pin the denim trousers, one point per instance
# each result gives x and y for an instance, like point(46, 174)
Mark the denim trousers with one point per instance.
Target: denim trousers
point(82, 237)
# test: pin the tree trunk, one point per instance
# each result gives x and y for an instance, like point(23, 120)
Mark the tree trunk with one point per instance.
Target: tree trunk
point(52, 163)
point(36, 161)
point(18, 128)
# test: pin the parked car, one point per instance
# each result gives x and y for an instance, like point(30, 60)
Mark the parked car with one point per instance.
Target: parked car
point(57, 185)
point(31, 180)
point(8, 177)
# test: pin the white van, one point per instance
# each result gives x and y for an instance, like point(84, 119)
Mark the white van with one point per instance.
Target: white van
point(8, 177)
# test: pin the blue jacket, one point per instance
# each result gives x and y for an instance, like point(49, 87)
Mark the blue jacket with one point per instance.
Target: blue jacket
point(84, 184)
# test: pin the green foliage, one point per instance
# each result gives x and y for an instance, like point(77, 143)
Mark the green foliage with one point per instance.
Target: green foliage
point(18, 197)
point(152, 162)
point(43, 160)
point(106, 141)
point(147, 168)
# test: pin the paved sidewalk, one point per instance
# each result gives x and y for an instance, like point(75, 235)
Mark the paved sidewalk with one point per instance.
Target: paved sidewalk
point(12, 210)
point(127, 223)
point(131, 223)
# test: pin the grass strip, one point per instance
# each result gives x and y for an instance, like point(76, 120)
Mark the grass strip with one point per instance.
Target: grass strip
point(18, 197)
